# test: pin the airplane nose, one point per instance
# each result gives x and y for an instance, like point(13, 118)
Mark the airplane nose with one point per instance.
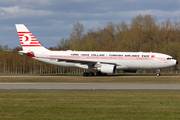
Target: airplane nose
point(176, 62)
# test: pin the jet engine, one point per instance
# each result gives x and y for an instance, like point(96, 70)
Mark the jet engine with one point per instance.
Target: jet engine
point(106, 68)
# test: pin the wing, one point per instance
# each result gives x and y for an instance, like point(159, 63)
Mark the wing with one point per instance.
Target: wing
point(82, 61)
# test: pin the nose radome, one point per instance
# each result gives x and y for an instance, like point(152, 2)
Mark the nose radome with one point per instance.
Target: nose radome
point(176, 62)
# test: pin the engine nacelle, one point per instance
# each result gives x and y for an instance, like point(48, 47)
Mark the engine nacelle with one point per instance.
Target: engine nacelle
point(107, 68)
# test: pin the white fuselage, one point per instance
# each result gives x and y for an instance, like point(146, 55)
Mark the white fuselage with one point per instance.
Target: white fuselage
point(122, 60)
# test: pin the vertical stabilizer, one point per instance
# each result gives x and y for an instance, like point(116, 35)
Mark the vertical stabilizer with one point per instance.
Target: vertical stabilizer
point(27, 40)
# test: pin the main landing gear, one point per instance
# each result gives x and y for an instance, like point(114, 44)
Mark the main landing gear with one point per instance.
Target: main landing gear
point(90, 73)
point(158, 72)
point(85, 74)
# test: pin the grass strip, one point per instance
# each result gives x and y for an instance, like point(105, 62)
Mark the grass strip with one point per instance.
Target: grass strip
point(88, 105)
point(109, 79)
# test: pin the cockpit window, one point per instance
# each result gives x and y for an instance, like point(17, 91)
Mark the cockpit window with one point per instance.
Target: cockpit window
point(170, 58)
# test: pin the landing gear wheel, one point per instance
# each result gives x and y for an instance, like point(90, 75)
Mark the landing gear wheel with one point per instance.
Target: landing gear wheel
point(91, 74)
point(85, 74)
point(158, 74)
point(98, 74)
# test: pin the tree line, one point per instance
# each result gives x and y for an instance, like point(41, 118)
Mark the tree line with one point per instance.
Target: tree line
point(144, 33)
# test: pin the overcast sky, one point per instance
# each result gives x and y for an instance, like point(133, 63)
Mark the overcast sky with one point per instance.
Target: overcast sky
point(51, 20)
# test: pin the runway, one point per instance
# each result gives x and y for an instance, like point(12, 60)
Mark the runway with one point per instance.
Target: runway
point(89, 86)
point(46, 76)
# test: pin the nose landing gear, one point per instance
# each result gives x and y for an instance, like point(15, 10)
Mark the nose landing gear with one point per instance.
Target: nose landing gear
point(158, 72)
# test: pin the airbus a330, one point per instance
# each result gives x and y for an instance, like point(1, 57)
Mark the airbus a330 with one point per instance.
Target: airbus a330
point(102, 63)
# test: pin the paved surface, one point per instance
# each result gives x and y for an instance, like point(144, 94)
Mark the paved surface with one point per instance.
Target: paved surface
point(34, 76)
point(89, 86)
point(82, 76)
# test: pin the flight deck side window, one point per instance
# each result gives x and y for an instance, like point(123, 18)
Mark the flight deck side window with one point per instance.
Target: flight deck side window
point(170, 58)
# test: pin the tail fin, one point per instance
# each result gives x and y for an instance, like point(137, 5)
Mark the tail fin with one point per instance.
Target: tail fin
point(28, 41)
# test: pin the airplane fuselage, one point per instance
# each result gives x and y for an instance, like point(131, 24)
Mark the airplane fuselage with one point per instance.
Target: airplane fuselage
point(122, 60)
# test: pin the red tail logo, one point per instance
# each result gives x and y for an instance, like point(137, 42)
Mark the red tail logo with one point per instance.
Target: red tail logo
point(28, 40)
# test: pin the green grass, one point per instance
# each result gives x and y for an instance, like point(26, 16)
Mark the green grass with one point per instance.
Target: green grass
point(96, 105)
point(108, 79)
point(88, 105)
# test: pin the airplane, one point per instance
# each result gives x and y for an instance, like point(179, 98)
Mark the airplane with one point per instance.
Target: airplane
point(102, 62)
